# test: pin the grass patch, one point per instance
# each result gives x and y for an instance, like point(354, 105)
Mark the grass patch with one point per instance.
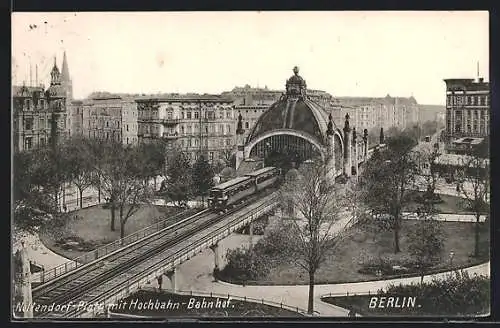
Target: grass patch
point(362, 246)
point(450, 204)
point(180, 306)
point(89, 228)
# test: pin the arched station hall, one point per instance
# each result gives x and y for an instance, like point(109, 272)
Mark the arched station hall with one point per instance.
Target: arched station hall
point(295, 129)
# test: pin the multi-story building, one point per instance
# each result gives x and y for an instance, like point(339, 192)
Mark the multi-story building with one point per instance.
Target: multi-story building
point(110, 118)
point(387, 112)
point(467, 108)
point(198, 124)
point(432, 113)
point(39, 116)
point(75, 113)
point(467, 113)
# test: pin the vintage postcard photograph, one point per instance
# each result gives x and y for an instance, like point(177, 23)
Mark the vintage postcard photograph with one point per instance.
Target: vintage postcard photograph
point(249, 164)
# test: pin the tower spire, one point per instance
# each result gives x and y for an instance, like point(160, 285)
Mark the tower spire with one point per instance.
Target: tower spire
point(477, 69)
point(64, 69)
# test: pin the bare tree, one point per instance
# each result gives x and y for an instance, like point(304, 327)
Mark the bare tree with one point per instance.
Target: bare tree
point(428, 167)
point(131, 193)
point(426, 240)
point(319, 209)
point(79, 163)
point(227, 156)
point(474, 184)
point(109, 167)
point(387, 179)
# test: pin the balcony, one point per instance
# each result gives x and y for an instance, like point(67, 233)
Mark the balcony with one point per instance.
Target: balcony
point(169, 121)
point(170, 136)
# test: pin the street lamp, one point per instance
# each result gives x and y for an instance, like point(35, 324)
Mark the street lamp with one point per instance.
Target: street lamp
point(452, 254)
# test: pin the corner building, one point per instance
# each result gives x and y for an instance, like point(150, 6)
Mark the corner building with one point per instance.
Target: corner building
point(39, 116)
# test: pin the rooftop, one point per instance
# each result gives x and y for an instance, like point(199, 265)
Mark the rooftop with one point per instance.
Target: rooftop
point(468, 141)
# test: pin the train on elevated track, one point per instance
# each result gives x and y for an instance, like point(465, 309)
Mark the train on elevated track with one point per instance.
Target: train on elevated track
point(227, 194)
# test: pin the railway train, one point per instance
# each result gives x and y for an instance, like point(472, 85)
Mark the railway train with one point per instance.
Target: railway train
point(225, 195)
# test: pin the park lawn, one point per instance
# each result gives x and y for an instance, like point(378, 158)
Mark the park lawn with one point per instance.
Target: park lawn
point(353, 251)
point(450, 205)
point(92, 226)
point(235, 308)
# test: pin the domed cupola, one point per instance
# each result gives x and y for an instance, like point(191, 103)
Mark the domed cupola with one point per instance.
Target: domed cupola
point(293, 111)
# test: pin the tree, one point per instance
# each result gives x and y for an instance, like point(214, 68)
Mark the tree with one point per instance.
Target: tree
point(474, 184)
point(79, 162)
point(321, 204)
point(131, 191)
point(152, 159)
point(387, 180)
point(110, 167)
point(202, 177)
point(179, 183)
point(426, 239)
point(228, 157)
point(33, 205)
point(218, 166)
point(427, 157)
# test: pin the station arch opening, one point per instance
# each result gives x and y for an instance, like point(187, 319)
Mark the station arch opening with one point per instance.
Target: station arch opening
point(285, 151)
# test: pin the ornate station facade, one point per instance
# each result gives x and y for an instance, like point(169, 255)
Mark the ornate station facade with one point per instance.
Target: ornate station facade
point(296, 129)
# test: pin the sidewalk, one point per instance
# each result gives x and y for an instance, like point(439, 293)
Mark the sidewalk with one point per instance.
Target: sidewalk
point(41, 255)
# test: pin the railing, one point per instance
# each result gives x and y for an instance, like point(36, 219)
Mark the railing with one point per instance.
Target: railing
point(296, 309)
point(170, 120)
point(341, 294)
point(170, 135)
point(91, 256)
point(140, 279)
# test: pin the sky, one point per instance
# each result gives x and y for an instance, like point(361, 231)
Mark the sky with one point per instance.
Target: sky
point(369, 54)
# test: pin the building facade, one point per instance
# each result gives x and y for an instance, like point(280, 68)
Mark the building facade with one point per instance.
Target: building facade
point(197, 124)
point(386, 112)
point(39, 115)
point(109, 118)
point(467, 108)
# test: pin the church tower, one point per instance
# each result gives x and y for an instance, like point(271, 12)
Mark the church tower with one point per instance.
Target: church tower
point(56, 98)
point(66, 79)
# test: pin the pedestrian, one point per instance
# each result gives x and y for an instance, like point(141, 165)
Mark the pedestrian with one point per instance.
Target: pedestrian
point(160, 280)
point(65, 208)
point(352, 313)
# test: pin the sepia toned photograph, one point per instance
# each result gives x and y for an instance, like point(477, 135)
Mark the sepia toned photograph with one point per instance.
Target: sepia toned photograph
point(195, 165)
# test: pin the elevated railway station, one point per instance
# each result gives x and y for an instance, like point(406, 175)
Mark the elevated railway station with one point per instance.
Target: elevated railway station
point(294, 131)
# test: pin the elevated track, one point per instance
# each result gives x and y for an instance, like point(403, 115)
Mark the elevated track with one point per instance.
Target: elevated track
point(115, 276)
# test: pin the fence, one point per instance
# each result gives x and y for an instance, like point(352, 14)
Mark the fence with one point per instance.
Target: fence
point(212, 294)
point(80, 261)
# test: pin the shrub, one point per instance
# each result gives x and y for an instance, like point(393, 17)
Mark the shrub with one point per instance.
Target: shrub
point(458, 294)
point(243, 265)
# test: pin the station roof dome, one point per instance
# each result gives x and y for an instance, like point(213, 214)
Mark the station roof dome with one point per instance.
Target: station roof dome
point(294, 111)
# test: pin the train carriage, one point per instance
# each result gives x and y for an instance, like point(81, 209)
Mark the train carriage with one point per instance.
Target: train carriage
point(226, 194)
point(264, 177)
